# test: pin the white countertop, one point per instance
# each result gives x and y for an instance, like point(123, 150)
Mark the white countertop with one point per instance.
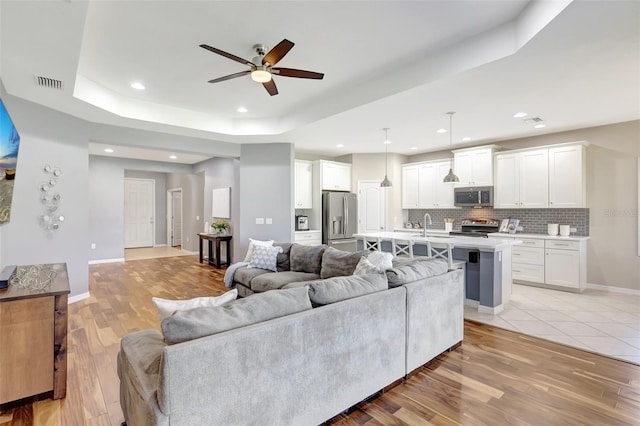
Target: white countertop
point(309, 230)
point(538, 236)
point(482, 244)
point(420, 230)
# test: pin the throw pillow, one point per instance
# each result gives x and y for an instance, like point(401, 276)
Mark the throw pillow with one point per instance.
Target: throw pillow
point(331, 290)
point(252, 244)
point(167, 307)
point(306, 258)
point(365, 267)
point(339, 263)
point(265, 257)
point(381, 260)
point(200, 322)
point(283, 258)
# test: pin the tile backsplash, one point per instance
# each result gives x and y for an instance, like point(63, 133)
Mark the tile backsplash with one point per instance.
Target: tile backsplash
point(533, 221)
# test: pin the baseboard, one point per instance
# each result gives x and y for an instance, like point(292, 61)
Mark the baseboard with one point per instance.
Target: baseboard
point(159, 245)
point(190, 252)
point(78, 297)
point(610, 289)
point(489, 310)
point(119, 259)
point(472, 303)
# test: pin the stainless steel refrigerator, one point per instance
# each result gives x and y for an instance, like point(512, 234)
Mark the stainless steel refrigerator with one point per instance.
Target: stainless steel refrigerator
point(339, 220)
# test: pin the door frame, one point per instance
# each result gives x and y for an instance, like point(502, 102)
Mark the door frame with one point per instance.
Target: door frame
point(385, 202)
point(170, 214)
point(153, 209)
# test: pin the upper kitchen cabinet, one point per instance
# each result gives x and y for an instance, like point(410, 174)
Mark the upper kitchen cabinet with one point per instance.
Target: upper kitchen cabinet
point(303, 184)
point(567, 187)
point(474, 166)
point(335, 176)
point(521, 179)
point(423, 186)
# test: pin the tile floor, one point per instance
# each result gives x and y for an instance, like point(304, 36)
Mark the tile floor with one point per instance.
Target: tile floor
point(595, 320)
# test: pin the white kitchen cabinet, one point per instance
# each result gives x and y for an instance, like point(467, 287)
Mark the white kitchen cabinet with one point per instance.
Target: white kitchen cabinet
point(474, 166)
point(567, 187)
point(562, 268)
point(423, 186)
point(308, 238)
point(410, 187)
point(521, 179)
point(528, 261)
point(303, 184)
point(335, 176)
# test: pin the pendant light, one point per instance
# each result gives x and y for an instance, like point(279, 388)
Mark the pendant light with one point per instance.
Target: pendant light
point(386, 183)
point(451, 177)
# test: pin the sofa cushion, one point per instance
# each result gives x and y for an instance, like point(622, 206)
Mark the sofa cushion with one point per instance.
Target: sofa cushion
point(195, 323)
point(265, 257)
point(139, 361)
point(416, 270)
point(283, 263)
point(245, 275)
point(278, 280)
point(339, 263)
point(335, 289)
point(167, 307)
point(306, 258)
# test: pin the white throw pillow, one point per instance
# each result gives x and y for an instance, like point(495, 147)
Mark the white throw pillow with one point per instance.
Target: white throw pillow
point(167, 307)
point(380, 260)
point(252, 244)
point(265, 257)
point(365, 267)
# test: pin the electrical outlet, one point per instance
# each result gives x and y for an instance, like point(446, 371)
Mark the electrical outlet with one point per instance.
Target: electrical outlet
point(573, 229)
point(269, 221)
point(259, 220)
point(93, 246)
point(197, 217)
point(519, 228)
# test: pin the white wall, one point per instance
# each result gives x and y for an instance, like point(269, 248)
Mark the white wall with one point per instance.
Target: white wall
point(59, 140)
point(266, 190)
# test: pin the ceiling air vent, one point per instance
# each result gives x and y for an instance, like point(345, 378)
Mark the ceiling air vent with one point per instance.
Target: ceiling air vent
point(51, 83)
point(533, 120)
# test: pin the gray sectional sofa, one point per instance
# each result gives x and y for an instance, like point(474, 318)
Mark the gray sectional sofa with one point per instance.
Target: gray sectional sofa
point(286, 362)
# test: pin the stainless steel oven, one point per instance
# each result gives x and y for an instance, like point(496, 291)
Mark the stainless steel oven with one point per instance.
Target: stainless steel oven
point(475, 196)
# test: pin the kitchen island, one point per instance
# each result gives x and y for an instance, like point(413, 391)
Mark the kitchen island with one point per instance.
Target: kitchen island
point(488, 264)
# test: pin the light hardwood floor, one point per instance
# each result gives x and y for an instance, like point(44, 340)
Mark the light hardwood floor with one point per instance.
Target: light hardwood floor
point(496, 377)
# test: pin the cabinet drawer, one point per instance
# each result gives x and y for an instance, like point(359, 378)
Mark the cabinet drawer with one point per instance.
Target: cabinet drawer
point(530, 242)
point(525, 272)
point(562, 245)
point(308, 238)
point(529, 255)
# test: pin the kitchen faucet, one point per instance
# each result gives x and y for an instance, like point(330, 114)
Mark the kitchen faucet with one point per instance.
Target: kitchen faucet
point(424, 223)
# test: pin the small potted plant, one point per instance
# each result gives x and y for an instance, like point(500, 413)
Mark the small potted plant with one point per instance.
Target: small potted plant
point(219, 227)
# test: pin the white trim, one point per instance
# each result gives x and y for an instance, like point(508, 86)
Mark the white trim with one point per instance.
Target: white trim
point(620, 290)
point(94, 262)
point(472, 303)
point(153, 208)
point(190, 252)
point(77, 298)
point(159, 245)
point(490, 310)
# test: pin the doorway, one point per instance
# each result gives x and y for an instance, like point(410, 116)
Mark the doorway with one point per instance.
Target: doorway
point(139, 212)
point(174, 217)
point(372, 206)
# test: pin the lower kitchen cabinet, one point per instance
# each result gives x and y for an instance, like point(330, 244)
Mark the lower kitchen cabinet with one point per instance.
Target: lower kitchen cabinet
point(308, 238)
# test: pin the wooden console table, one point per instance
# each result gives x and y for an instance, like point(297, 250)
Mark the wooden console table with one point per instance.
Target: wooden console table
point(215, 260)
point(33, 338)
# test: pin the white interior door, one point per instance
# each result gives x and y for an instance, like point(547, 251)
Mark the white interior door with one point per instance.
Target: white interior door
point(176, 218)
point(372, 207)
point(139, 208)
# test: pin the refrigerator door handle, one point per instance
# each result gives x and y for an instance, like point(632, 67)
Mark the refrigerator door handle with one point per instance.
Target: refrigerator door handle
point(346, 215)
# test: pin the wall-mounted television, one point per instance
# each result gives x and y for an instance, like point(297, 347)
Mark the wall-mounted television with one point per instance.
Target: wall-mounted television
point(9, 145)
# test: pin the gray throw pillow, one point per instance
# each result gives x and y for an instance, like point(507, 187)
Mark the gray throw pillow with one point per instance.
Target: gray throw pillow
point(331, 290)
point(195, 323)
point(338, 263)
point(306, 258)
point(416, 270)
point(283, 263)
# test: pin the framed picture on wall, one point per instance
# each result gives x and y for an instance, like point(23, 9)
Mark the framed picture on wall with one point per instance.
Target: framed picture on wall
point(221, 203)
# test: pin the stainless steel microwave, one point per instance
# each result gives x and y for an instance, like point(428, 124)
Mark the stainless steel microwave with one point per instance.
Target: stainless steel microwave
point(474, 196)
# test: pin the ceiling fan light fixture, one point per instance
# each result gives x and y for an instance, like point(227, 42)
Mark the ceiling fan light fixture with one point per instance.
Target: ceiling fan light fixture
point(261, 75)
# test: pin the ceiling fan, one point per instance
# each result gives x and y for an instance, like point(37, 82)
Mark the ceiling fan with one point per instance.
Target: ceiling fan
point(262, 66)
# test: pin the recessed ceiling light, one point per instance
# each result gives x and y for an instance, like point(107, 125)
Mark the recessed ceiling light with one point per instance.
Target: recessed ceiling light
point(109, 150)
point(137, 85)
point(413, 148)
point(466, 139)
point(173, 157)
point(441, 131)
point(242, 109)
point(519, 115)
point(340, 145)
point(539, 126)
point(387, 142)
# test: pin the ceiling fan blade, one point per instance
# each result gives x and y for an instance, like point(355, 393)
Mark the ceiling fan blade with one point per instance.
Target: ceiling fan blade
point(230, 76)
point(271, 87)
point(227, 55)
point(277, 53)
point(290, 72)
